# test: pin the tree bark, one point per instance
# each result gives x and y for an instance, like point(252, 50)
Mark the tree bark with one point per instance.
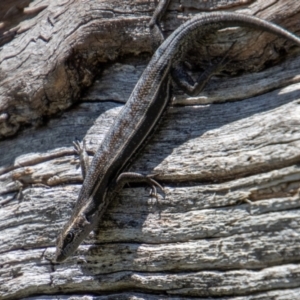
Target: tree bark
point(227, 226)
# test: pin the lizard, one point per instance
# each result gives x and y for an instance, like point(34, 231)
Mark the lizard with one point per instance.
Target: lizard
point(139, 117)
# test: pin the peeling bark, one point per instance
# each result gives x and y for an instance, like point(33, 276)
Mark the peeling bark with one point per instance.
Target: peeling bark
point(228, 226)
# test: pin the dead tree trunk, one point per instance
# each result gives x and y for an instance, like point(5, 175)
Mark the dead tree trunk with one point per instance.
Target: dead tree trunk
point(229, 224)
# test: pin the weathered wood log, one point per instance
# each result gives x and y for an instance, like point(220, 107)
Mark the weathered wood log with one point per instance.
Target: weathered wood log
point(228, 224)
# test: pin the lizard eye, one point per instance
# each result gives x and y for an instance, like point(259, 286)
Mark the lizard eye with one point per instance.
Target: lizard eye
point(69, 237)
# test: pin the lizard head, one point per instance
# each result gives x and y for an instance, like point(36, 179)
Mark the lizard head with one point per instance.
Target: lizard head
point(71, 237)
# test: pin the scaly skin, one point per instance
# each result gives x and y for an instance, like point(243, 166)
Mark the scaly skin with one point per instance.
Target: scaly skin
point(137, 119)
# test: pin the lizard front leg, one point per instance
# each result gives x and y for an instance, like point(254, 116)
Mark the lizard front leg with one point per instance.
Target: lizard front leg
point(132, 177)
point(83, 157)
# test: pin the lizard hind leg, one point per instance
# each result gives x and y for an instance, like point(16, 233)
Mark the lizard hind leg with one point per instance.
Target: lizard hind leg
point(193, 87)
point(157, 36)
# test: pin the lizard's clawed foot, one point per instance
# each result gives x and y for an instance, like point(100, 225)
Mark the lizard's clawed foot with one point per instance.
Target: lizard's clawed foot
point(78, 148)
point(154, 184)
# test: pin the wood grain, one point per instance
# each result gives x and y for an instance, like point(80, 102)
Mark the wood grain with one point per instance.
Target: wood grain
point(227, 224)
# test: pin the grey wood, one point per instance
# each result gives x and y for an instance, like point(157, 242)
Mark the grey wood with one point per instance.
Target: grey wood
point(228, 227)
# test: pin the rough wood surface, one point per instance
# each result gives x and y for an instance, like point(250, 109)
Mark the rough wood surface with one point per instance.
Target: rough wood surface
point(228, 226)
point(57, 50)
